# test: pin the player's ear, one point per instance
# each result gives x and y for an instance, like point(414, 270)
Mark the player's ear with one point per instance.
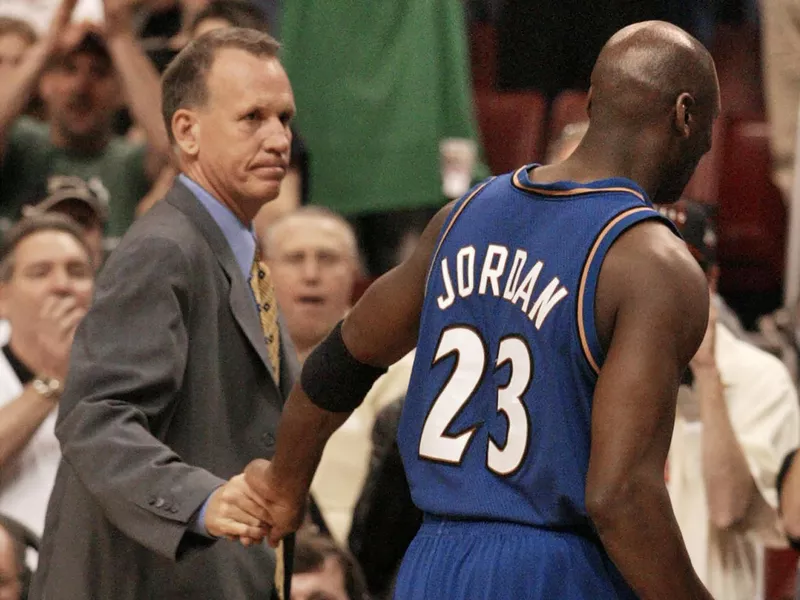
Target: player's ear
point(684, 114)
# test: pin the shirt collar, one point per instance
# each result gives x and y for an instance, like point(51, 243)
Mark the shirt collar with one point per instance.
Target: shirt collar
point(240, 238)
point(23, 373)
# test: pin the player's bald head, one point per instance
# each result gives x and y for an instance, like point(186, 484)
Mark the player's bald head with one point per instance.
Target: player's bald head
point(652, 105)
point(646, 66)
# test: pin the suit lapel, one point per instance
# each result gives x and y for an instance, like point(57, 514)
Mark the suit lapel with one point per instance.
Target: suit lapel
point(241, 296)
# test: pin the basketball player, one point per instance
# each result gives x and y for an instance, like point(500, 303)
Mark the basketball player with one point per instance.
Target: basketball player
point(554, 312)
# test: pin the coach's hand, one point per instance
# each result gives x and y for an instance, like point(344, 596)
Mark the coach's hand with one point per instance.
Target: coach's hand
point(235, 511)
point(286, 510)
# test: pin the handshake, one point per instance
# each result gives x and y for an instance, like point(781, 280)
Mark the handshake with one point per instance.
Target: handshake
point(251, 507)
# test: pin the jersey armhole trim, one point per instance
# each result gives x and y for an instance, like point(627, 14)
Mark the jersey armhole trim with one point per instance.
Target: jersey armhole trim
point(587, 332)
point(452, 219)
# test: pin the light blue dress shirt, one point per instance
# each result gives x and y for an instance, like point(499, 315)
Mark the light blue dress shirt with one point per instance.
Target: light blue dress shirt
point(240, 238)
point(243, 243)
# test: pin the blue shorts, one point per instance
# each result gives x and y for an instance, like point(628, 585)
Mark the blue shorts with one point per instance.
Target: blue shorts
point(480, 560)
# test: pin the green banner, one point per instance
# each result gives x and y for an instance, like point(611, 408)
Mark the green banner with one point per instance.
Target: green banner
point(378, 83)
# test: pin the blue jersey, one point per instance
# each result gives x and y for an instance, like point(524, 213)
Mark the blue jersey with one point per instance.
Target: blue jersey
point(497, 421)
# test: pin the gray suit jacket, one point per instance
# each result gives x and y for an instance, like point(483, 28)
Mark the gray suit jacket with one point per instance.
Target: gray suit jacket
point(169, 394)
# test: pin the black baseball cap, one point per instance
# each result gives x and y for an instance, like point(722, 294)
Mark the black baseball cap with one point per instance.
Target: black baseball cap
point(75, 197)
point(91, 43)
point(694, 222)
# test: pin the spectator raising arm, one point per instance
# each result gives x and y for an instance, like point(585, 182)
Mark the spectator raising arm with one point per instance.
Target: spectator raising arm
point(16, 92)
point(140, 81)
point(729, 485)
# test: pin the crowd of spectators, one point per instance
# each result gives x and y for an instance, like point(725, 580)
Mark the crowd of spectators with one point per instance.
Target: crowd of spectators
point(84, 152)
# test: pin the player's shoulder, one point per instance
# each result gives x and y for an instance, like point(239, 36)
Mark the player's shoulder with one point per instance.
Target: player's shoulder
point(650, 265)
point(650, 280)
point(651, 249)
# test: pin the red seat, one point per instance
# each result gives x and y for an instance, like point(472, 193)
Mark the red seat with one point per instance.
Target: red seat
point(751, 215)
point(736, 50)
point(511, 126)
point(483, 55)
point(780, 573)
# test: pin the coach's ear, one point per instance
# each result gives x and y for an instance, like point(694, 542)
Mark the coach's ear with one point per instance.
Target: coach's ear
point(186, 129)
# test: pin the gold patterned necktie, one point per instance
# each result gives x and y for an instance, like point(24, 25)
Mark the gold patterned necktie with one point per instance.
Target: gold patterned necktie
point(261, 283)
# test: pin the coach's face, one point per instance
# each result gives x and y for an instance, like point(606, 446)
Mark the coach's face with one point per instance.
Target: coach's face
point(242, 133)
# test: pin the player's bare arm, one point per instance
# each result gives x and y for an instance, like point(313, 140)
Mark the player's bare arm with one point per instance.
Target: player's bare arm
point(383, 325)
point(651, 310)
point(382, 328)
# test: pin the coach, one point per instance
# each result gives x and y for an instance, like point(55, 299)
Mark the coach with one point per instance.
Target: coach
point(179, 371)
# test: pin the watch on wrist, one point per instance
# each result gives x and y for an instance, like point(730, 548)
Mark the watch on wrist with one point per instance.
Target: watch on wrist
point(47, 387)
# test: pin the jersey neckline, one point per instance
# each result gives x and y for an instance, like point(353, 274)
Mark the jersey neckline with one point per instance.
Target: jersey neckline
point(521, 180)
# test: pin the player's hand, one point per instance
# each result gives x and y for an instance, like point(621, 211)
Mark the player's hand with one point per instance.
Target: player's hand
point(705, 357)
point(286, 510)
point(235, 511)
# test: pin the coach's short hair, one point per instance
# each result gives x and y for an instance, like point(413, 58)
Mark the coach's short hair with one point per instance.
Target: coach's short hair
point(183, 84)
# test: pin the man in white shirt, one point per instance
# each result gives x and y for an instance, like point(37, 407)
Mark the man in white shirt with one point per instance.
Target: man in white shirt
point(737, 417)
point(313, 259)
point(46, 283)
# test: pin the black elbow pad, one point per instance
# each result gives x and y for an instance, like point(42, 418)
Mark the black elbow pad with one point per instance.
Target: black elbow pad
point(333, 378)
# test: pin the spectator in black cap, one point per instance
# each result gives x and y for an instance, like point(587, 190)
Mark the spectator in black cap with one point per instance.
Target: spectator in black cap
point(84, 74)
point(737, 415)
point(84, 202)
point(694, 221)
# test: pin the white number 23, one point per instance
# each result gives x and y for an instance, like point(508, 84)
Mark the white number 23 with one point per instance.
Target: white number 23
point(469, 369)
